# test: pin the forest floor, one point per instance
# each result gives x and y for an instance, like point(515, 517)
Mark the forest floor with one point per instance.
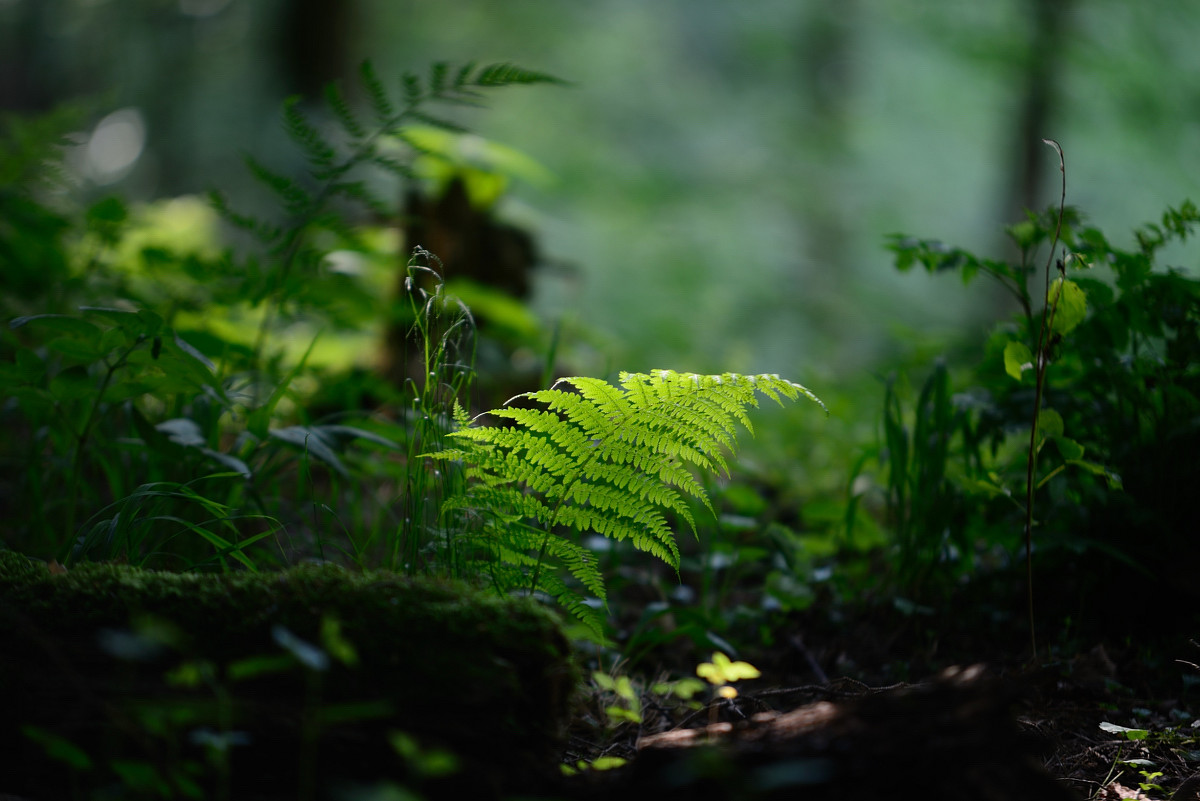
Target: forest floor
point(1108, 715)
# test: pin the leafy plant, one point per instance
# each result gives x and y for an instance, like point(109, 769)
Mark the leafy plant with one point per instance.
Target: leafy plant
point(598, 458)
point(443, 333)
point(1123, 386)
point(926, 506)
point(299, 246)
point(143, 408)
point(722, 672)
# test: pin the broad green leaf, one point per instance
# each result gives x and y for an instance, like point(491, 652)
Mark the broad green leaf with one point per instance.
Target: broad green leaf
point(113, 339)
point(1071, 450)
point(71, 385)
point(337, 433)
point(1114, 480)
point(30, 366)
point(1130, 734)
point(81, 351)
point(232, 462)
point(1050, 424)
point(61, 323)
point(1017, 359)
point(310, 440)
point(1072, 305)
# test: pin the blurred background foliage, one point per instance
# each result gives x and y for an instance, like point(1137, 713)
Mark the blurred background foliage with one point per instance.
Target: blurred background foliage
point(713, 191)
point(722, 175)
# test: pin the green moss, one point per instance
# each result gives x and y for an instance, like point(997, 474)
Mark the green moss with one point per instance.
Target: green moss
point(486, 676)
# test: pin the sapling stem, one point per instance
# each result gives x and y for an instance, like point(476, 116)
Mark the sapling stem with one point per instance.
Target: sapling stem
point(1041, 362)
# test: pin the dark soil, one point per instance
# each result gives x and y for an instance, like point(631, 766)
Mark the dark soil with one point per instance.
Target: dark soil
point(877, 721)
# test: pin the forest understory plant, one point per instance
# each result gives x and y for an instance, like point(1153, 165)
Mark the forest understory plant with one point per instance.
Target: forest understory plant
point(610, 460)
point(127, 383)
point(1122, 389)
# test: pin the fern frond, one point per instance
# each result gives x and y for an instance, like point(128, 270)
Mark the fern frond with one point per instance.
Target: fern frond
point(608, 460)
point(510, 74)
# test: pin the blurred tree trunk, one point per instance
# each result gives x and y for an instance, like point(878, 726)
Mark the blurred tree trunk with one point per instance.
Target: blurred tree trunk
point(1042, 76)
point(24, 62)
point(314, 50)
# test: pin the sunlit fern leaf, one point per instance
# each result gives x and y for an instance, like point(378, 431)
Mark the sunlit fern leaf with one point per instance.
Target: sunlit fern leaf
point(603, 459)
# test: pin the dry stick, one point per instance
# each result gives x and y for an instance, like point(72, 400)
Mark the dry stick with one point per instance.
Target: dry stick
point(1041, 361)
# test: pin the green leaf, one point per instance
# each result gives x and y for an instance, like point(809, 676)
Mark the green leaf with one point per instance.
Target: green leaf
point(1130, 734)
point(82, 352)
point(62, 324)
point(1114, 480)
point(109, 210)
point(1071, 307)
point(1071, 450)
point(58, 748)
point(722, 670)
point(336, 643)
point(310, 440)
point(1049, 424)
point(1017, 359)
point(255, 666)
point(1025, 234)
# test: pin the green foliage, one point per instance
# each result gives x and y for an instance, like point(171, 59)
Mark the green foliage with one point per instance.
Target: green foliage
point(927, 508)
point(151, 383)
point(598, 458)
point(1119, 401)
point(317, 209)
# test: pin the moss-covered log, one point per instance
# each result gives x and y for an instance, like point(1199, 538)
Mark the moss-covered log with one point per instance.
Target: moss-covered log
point(273, 685)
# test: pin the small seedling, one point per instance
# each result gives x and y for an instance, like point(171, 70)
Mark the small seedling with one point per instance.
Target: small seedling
point(722, 672)
point(626, 710)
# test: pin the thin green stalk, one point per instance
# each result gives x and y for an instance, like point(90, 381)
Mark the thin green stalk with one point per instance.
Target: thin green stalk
point(81, 439)
point(1042, 360)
